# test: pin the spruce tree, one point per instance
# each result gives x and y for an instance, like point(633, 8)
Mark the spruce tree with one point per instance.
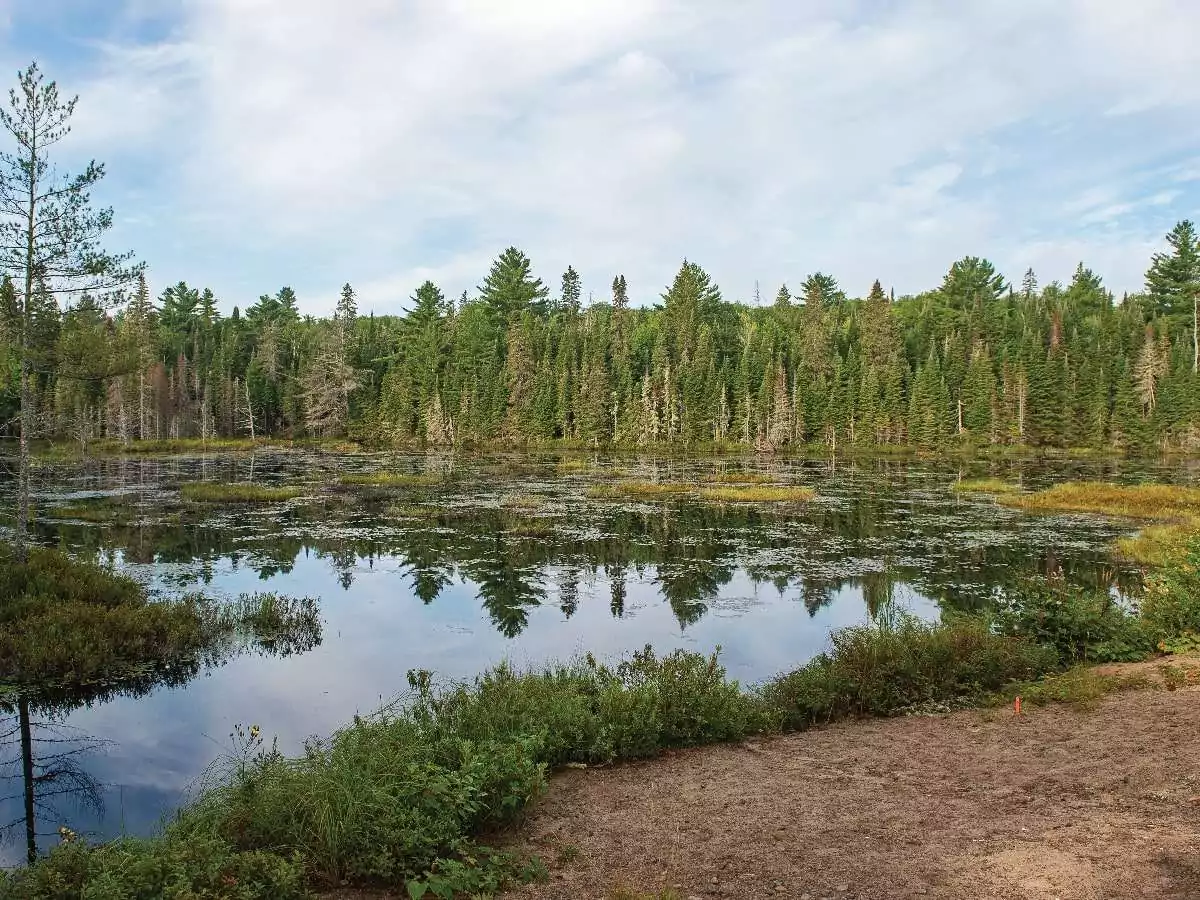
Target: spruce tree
point(570, 291)
point(510, 288)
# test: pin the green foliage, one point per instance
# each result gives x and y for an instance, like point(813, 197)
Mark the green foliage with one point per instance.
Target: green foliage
point(191, 868)
point(758, 494)
point(390, 479)
point(244, 492)
point(1080, 686)
point(880, 671)
point(984, 486)
point(67, 622)
point(401, 795)
point(1080, 624)
point(1170, 606)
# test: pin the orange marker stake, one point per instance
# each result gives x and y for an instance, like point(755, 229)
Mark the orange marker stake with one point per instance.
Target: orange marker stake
point(1017, 707)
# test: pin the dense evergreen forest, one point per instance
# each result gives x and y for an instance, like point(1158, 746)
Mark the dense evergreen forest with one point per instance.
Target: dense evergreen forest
point(975, 360)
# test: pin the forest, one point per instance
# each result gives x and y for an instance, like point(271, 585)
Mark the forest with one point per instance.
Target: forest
point(975, 361)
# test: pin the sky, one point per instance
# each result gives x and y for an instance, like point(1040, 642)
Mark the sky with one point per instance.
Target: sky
point(251, 144)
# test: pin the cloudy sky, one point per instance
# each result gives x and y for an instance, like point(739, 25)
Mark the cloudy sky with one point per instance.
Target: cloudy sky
point(256, 143)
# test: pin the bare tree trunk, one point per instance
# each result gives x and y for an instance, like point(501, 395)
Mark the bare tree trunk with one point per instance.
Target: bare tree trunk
point(27, 778)
point(249, 411)
point(21, 542)
point(143, 425)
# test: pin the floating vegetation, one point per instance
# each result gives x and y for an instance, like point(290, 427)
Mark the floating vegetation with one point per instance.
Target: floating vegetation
point(1176, 507)
point(522, 501)
point(741, 478)
point(1142, 501)
point(759, 494)
point(389, 479)
point(648, 489)
point(1154, 545)
point(984, 486)
point(243, 492)
point(100, 510)
point(413, 511)
point(572, 466)
point(533, 528)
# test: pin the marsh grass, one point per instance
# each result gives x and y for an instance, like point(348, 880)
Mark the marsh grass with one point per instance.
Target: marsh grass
point(1139, 501)
point(758, 494)
point(572, 466)
point(645, 489)
point(390, 479)
point(741, 478)
point(1175, 510)
point(532, 528)
point(242, 492)
point(1081, 687)
point(99, 510)
point(984, 486)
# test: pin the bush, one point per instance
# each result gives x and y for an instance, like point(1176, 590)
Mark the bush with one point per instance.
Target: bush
point(1081, 625)
point(1171, 604)
point(201, 867)
point(881, 671)
point(398, 795)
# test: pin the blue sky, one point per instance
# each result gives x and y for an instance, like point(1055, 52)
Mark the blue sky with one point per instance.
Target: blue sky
point(256, 143)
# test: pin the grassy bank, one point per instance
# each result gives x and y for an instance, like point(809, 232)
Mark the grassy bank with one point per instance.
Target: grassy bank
point(403, 797)
point(1173, 510)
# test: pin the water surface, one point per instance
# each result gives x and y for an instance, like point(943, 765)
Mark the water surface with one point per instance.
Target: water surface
point(508, 558)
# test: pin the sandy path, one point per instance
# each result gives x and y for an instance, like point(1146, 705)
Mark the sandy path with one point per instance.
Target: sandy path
point(1060, 803)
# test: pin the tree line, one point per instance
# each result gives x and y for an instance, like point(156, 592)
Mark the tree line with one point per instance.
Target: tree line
point(975, 360)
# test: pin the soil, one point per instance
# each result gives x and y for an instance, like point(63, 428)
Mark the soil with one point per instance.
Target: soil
point(1062, 803)
point(1058, 803)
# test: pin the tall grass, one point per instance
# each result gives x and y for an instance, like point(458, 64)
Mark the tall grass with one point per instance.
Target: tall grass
point(984, 486)
point(633, 488)
point(1175, 509)
point(758, 494)
point(242, 492)
point(1145, 501)
point(741, 478)
point(390, 479)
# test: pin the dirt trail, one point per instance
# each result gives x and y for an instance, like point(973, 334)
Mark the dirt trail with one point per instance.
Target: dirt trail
point(1060, 803)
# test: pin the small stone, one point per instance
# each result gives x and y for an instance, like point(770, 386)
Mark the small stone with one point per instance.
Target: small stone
point(714, 879)
point(842, 888)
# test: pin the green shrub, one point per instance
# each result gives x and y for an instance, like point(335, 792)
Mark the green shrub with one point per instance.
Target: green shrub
point(1080, 624)
point(397, 795)
point(200, 867)
point(884, 670)
point(1171, 604)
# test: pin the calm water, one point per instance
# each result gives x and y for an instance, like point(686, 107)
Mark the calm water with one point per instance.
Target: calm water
point(508, 560)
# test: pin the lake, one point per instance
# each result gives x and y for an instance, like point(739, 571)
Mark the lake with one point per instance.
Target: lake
point(509, 558)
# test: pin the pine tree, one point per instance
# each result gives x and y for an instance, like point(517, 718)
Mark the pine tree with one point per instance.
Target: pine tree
point(510, 288)
point(1173, 281)
point(571, 291)
point(620, 294)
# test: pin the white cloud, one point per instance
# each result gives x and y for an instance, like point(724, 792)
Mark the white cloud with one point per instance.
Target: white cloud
point(307, 142)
